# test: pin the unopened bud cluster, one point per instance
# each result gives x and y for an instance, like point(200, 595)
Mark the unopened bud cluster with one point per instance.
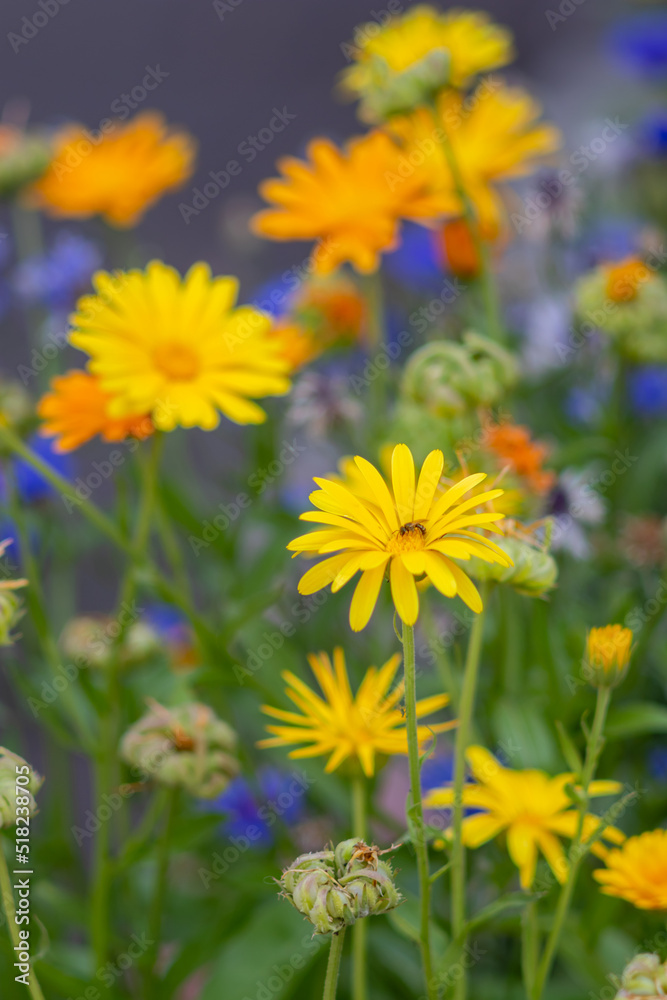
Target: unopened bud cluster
point(533, 571)
point(645, 977)
point(335, 888)
point(187, 746)
point(18, 786)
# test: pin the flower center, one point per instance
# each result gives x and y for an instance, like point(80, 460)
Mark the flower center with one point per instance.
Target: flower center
point(409, 538)
point(177, 361)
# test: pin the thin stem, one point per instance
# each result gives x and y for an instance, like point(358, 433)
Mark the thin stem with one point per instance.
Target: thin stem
point(333, 965)
point(486, 278)
point(577, 853)
point(360, 929)
point(10, 912)
point(466, 709)
point(157, 904)
point(416, 812)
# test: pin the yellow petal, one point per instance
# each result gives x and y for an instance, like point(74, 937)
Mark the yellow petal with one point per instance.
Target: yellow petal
point(404, 591)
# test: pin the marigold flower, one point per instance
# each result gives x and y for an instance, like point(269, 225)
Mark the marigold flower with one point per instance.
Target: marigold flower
point(118, 178)
point(345, 725)
point(414, 55)
point(343, 198)
point(495, 137)
point(533, 809)
point(406, 529)
point(513, 445)
point(176, 348)
point(77, 410)
point(608, 652)
point(637, 871)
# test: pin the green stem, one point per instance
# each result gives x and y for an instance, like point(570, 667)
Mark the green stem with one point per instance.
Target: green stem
point(333, 965)
point(416, 818)
point(10, 912)
point(360, 929)
point(466, 709)
point(486, 278)
point(577, 853)
point(157, 904)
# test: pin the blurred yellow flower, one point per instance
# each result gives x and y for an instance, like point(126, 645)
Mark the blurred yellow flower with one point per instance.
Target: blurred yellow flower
point(406, 529)
point(533, 809)
point(495, 137)
point(177, 349)
point(343, 199)
point(118, 176)
point(345, 725)
point(608, 652)
point(403, 62)
point(77, 409)
point(637, 871)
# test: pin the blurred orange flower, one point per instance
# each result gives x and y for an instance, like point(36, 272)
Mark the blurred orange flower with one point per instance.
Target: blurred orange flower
point(514, 446)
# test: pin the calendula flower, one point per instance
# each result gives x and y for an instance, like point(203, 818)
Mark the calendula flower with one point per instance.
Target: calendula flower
point(118, 176)
point(637, 871)
point(176, 348)
point(344, 725)
point(77, 410)
point(343, 199)
point(495, 137)
point(533, 809)
point(405, 529)
point(412, 56)
point(608, 653)
point(513, 445)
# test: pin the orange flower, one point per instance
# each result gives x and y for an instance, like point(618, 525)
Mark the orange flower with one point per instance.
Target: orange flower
point(76, 410)
point(624, 279)
point(513, 445)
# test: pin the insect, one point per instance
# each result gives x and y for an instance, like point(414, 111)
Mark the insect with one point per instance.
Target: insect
point(410, 526)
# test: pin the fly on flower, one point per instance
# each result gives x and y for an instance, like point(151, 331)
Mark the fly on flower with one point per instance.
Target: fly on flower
point(410, 528)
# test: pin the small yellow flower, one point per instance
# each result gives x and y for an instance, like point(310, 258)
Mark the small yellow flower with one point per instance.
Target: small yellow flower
point(637, 871)
point(177, 348)
point(413, 55)
point(408, 529)
point(120, 176)
point(495, 136)
point(343, 198)
point(345, 725)
point(533, 809)
point(76, 410)
point(608, 652)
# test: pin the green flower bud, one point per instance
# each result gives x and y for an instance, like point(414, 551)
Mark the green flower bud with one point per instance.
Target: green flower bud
point(187, 746)
point(392, 93)
point(15, 404)
point(91, 640)
point(645, 976)
point(534, 572)
point(17, 781)
point(23, 158)
point(11, 611)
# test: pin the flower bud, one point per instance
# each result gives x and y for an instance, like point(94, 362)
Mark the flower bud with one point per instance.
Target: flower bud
point(17, 779)
point(11, 611)
point(608, 651)
point(645, 976)
point(187, 746)
point(15, 404)
point(534, 570)
point(23, 158)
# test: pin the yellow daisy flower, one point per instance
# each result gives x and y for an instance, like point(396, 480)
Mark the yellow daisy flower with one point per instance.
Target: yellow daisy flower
point(343, 199)
point(495, 137)
point(345, 725)
point(533, 809)
point(117, 177)
point(177, 349)
point(419, 52)
point(638, 871)
point(405, 528)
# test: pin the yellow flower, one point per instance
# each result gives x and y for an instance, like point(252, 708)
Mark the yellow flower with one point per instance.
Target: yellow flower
point(177, 349)
point(405, 528)
point(608, 652)
point(76, 410)
point(120, 176)
point(533, 809)
point(345, 725)
point(343, 198)
point(495, 137)
point(403, 62)
point(638, 871)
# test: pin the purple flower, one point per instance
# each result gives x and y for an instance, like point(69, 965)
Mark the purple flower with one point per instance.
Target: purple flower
point(648, 391)
point(54, 279)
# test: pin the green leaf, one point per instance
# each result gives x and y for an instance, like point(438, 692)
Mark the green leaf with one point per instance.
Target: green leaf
point(570, 752)
point(510, 901)
point(636, 719)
